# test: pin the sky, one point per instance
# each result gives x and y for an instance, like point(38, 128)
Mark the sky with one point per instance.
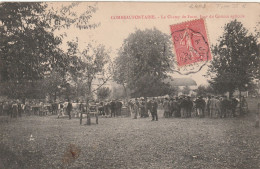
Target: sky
point(113, 31)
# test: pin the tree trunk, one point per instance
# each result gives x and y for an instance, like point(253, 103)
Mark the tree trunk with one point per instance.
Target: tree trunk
point(55, 96)
point(87, 104)
point(126, 95)
point(81, 116)
point(88, 119)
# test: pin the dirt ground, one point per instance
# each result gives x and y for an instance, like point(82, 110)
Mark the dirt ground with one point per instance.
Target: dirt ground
point(47, 142)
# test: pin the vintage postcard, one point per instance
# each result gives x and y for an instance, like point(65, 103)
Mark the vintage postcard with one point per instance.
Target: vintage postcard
point(129, 85)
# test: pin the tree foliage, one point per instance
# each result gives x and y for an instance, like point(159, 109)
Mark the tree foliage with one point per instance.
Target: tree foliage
point(103, 93)
point(236, 60)
point(72, 16)
point(27, 47)
point(85, 66)
point(205, 90)
point(186, 90)
point(143, 62)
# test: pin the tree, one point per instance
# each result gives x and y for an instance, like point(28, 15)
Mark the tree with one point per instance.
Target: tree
point(201, 90)
point(27, 46)
point(54, 84)
point(186, 90)
point(71, 15)
point(143, 62)
point(236, 60)
point(205, 90)
point(120, 73)
point(103, 93)
point(85, 65)
point(117, 92)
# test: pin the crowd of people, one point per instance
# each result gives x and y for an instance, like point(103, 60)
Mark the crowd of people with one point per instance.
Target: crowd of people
point(17, 108)
point(182, 106)
point(185, 107)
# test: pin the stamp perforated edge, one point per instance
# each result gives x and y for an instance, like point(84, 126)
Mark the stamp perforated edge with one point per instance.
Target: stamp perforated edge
point(206, 29)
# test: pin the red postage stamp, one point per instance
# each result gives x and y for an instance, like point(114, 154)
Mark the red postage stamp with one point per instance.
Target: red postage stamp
point(190, 43)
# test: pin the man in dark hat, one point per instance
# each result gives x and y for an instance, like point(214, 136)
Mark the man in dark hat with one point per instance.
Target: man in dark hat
point(119, 105)
point(113, 108)
point(200, 105)
point(69, 108)
point(224, 107)
point(154, 106)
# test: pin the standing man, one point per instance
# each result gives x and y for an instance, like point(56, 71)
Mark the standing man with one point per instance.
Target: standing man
point(166, 107)
point(154, 107)
point(14, 110)
point(131, 106)
point(208, 105)
point(142, 108)
point(149, 106)
point(224, 107)
point(119, 105)
point(200, 104)
point(234, 104)
point(136, 108)
point(69, 109)
point(171, 105)
point(113, 108)
point(189, 106)
point(212, 107)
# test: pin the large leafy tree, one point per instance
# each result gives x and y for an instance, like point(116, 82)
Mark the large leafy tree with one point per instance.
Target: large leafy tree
point(62, 18)
point(236, 61)
point(28, 48)
point(85, 66)
point(143, 62)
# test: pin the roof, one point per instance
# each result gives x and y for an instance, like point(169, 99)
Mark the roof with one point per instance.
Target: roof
point(181, 81)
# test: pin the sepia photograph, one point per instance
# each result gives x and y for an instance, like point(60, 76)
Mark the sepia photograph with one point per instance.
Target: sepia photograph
point(129, 85)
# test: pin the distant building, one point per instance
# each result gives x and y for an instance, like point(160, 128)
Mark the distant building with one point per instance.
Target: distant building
point(181, 83)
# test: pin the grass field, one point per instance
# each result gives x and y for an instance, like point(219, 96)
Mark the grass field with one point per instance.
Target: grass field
point(128, 143)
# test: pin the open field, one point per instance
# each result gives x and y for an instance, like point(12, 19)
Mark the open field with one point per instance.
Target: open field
point(128, 143)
